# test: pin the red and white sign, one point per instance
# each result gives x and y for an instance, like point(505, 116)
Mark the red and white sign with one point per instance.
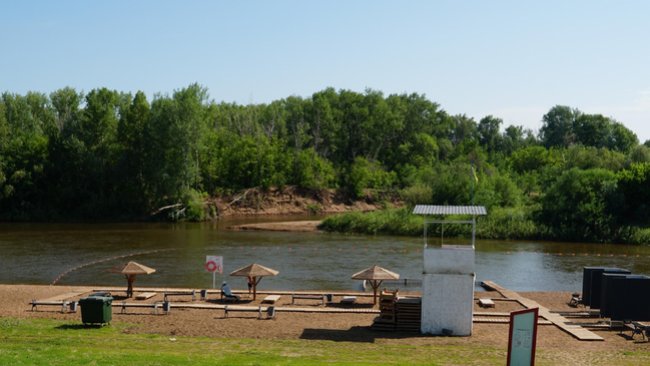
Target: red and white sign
point(214, 263)
point(522, 340)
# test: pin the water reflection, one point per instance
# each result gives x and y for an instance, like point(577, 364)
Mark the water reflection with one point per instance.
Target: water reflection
point(38, 253)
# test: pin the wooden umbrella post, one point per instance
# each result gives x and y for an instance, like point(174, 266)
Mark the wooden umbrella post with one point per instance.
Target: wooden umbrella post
point(130, 270)
point(256, 280)
point(374, 293)
point(375, 285)
point(254, 273)
point(129, 287)
point(376, 276)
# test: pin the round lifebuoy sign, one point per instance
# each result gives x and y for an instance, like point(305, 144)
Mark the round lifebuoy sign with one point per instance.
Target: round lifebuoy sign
point(214, 263)
point(211, 266)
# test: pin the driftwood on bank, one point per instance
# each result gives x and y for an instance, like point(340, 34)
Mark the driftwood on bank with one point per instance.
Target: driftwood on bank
point(240, 197)
point(161, 209)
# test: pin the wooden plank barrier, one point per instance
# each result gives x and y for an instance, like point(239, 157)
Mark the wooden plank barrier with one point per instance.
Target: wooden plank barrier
point(307, 297)
point(557, 319)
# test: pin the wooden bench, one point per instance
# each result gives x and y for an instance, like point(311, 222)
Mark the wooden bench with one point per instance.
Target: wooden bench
point(65, 305)
point(271, 299)
point(154, 306)
point(641, 328)
point(576, 300)
point(486, 303)
point(270, 311)
point(179, 293)
point(145, 295)
point(307, 297)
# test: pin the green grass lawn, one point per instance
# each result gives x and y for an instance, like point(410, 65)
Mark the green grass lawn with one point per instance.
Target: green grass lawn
point(53, 342)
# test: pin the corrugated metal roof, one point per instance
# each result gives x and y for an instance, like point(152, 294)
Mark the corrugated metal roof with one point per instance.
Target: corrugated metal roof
point(449, 210)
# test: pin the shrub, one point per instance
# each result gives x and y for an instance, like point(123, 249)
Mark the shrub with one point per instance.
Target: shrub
point(312, 171)
point(367, 174)
point(577, 205)
point(417, 194)
point(195, 208)
point(508, 223)
point(390, 221)
point(634, 235)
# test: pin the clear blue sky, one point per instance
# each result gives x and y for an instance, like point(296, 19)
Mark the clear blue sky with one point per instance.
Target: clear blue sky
point(511, 59)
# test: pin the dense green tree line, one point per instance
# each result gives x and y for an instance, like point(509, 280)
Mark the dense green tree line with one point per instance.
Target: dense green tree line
point(112, 155)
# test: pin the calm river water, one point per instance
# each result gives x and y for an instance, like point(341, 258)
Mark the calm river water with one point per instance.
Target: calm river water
point(40, 253)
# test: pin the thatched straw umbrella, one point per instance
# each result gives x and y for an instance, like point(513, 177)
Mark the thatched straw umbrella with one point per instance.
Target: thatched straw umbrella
point(375, 275)
point(132, 269)
point(254, 272)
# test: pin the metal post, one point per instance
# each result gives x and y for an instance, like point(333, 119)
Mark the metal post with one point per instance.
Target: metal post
point(473, 231)
point(425, 233)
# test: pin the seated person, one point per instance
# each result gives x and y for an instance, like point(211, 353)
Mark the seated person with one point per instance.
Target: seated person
point(227, 292)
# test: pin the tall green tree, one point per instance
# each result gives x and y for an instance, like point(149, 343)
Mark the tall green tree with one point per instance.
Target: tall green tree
point(325, 123)
point(489, 134)
point(24, 125)
point(592, 130)
point(633, 184)
point(351, 136)
point(173, 142)
point(515, 138)
point(66, 103)
point(621, 138)
point(579, 205)
point(557, 126)
point(131, 168)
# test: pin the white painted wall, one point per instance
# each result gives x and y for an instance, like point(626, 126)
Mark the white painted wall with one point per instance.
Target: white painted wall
point(450, 259)
point(448, 290)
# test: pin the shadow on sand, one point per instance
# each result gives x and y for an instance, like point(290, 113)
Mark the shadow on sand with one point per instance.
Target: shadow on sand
point(350, 306)
point(354, 334)
point(79, 326)
point(229, 302)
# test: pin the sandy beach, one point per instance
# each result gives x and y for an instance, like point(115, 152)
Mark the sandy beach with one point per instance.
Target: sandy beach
point(317, 326)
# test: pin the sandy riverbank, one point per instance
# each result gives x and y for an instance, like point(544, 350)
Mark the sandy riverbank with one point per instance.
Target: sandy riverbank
point(321, 326)
point(292, 226)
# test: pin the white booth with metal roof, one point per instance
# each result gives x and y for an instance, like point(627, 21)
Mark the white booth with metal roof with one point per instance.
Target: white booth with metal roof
point(448, 274)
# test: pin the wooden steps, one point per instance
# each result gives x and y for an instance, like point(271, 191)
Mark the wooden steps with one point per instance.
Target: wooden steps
point(408, 314)
point(398, 314)
point(387, 317)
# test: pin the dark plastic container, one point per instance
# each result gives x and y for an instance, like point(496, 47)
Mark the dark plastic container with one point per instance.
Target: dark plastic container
point(592, 282)
point(96, 309)
point(632, 299)
point(612, 291)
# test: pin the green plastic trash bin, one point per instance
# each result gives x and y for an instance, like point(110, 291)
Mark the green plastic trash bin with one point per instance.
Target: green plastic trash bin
point(96, 309)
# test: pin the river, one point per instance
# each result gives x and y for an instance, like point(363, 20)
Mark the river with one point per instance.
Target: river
point(87, 254)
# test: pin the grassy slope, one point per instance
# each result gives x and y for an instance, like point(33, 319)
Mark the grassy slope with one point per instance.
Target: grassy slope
point(51, 342)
